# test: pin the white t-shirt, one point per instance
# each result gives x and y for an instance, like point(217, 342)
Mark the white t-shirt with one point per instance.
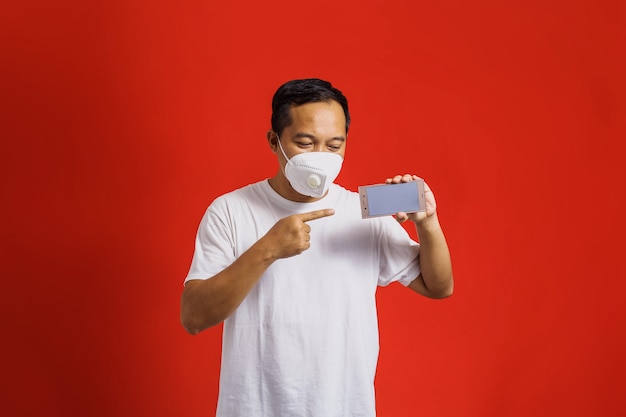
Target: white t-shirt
point(304, 342)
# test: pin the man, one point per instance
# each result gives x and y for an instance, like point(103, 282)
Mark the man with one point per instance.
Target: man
point(292, 269)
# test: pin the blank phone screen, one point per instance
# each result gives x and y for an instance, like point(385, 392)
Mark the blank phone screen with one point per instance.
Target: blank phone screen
point(390, 199)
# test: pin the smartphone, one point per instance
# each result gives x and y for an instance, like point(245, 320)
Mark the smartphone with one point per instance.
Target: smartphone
point(387, 199)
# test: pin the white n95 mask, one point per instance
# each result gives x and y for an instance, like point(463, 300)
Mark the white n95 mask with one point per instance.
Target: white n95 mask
point(311, 173)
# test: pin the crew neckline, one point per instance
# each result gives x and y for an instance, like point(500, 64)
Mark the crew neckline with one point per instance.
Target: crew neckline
point(328, 201)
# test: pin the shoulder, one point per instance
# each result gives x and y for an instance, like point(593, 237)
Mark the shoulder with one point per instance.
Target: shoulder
point(344, 195)
point(246, 193)
point(230, 205)
point(229, 209)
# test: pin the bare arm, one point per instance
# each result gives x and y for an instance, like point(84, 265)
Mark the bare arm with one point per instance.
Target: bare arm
point(435, 280)
point(205, 303)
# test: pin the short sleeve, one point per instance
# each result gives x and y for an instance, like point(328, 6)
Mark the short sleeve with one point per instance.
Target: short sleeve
point(399, 254)
point(214, 246)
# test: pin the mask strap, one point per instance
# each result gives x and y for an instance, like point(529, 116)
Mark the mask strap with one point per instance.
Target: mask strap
point(281, 148)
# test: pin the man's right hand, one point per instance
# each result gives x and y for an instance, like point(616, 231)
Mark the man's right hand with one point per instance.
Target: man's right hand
point(206, 303)
point(290, 236)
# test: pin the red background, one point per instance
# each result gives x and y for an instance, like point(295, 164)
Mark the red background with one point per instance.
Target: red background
point(122, 120)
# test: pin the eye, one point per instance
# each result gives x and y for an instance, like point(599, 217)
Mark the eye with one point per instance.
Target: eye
point(303, 144)
point(334, 147)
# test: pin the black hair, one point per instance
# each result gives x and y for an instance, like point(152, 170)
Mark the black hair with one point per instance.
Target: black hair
point(298, 92)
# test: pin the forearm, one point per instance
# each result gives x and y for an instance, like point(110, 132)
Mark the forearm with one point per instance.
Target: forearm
point(435, 262)
point(206, 303)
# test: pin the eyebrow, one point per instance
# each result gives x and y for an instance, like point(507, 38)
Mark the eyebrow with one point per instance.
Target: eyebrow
point(313, 137)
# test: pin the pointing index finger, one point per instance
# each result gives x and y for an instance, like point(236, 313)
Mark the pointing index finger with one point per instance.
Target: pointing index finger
point(317, 214)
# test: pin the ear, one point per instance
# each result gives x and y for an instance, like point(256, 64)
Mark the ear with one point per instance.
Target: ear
point(272, 140)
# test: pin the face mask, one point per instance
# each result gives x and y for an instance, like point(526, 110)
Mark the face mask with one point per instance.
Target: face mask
point(311, 173)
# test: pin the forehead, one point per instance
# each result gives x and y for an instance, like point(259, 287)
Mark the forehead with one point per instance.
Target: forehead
point(323, 115)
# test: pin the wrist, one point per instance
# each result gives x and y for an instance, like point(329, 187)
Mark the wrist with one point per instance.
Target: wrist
point(428, 224)
point(264, 252)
